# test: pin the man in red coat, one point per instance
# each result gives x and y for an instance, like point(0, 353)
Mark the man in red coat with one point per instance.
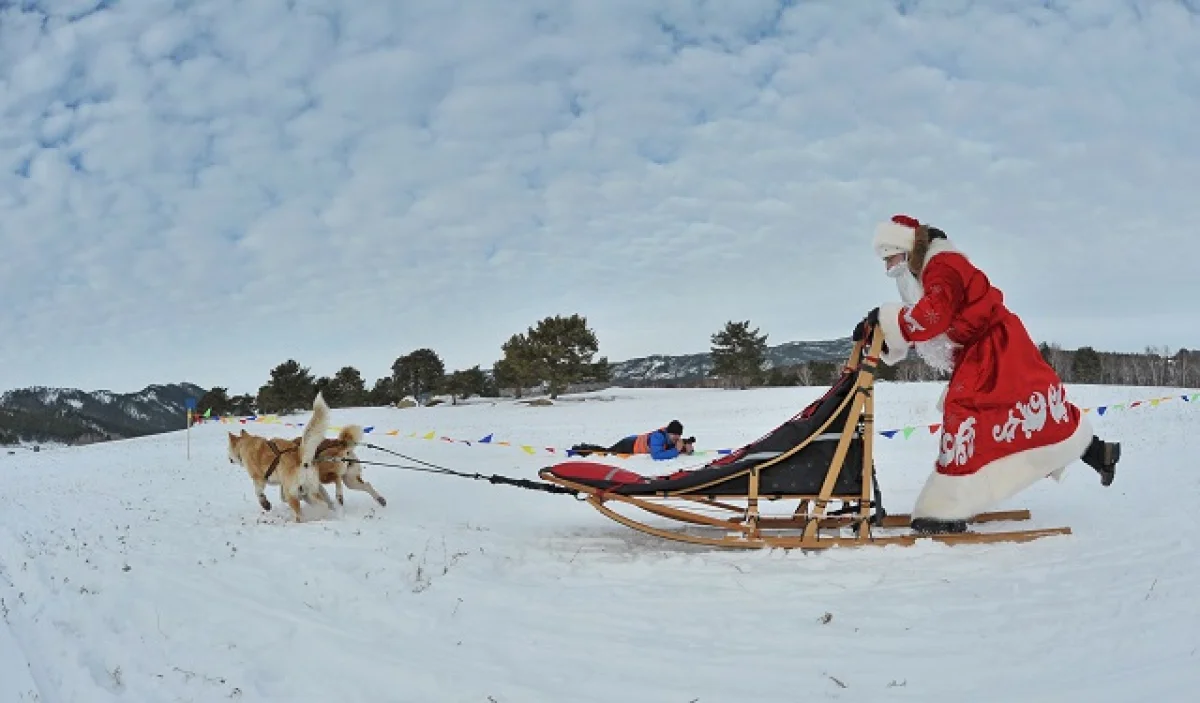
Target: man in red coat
point(1006, 420)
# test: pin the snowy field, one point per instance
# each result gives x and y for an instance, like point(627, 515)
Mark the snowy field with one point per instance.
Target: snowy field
point(130, 573)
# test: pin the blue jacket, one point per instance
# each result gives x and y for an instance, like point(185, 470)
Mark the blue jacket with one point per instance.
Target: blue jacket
point(655, 443)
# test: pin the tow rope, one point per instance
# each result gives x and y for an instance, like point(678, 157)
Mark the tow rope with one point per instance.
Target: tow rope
point(435, 469)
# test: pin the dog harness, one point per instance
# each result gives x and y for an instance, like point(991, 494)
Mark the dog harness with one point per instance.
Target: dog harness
point(278, 455)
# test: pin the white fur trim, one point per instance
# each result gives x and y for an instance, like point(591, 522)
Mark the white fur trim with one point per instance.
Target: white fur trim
point(939, 246)
point(889, 324)
point(892, 238)
point(962, 497)
point(894, 355)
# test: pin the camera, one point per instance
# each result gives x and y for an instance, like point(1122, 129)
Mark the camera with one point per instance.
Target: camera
point(689, 440)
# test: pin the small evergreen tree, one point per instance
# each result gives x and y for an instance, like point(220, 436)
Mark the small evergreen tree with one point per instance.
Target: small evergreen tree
point(291, 388)
point(383, 392)
point(465, 383)
point(243, 405)
point(738, 353)
point(563, 348)
point(346, 389)
point(214, 401)
point(418, 372)
point(518, 369)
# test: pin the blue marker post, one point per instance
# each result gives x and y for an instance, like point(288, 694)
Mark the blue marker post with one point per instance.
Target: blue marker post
point(190, 404)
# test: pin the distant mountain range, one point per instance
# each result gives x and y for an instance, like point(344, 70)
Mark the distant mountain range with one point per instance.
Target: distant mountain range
point(695, 367)
point(69, 416)
point(42, 415)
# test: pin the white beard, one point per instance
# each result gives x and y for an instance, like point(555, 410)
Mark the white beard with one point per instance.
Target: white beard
point(939, 351)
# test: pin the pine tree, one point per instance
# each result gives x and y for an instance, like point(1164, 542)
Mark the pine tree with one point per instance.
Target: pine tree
point(518, 369)
point(563, 348)
point(291, 388)
point(243, 405)
point(465, 383)
point(346, 389)
point(738, 353)
point(418, 372)
point(215, 401)
point(383, 392)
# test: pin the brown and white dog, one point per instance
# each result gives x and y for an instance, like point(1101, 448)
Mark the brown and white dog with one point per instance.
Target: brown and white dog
point(338, 464)
point(290, 464)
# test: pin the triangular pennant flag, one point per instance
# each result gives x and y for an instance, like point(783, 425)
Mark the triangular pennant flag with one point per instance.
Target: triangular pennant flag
point(933, 429)
point(431, 435)
point(1135, 403)
point(550, 449)
point(208, 412)
point(393, 433)
point(368, 429)
point(908, 432)
point(1154, 402)
point(1185, 398)
point(486, 440)
point(1102, 409)
point(889, 433)
point(1195, 396)
point(528, 449)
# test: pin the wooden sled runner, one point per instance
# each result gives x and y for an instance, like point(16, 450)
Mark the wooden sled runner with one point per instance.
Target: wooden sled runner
point(823, 455)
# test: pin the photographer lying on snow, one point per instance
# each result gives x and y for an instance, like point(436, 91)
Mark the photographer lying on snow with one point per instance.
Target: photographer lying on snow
point(664, 443)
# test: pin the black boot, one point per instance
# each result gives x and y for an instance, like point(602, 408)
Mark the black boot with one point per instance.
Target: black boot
point(929, 525)
point(1103, 457)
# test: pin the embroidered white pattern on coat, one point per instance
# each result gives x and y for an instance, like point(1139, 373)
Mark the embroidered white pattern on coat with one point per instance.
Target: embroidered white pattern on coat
point(1031, 417)
point(910, 321)
point(959, 447)
point(1058, 404)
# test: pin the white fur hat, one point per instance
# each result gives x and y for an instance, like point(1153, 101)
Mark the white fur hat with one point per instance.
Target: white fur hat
point(896, 236)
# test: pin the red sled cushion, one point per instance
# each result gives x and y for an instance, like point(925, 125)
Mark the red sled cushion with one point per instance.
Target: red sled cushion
point(591, 471)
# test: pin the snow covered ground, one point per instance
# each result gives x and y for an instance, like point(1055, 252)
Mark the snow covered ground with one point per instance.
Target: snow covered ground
point(130, 573)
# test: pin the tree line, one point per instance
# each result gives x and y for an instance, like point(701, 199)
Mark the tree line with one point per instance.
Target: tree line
point(739, 359)
point(559, 352)
point(553, 354)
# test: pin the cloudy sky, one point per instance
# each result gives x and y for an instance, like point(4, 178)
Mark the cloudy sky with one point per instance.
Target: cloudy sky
point(199, 190)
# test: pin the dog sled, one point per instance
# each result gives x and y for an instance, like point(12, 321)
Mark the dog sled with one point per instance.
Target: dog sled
point(822, 458)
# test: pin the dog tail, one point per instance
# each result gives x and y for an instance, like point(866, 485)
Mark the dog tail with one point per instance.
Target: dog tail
point(351, 435)
point(314, 432)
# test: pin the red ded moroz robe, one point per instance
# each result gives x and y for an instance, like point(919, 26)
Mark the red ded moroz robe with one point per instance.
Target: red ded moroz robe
point(1006, 420)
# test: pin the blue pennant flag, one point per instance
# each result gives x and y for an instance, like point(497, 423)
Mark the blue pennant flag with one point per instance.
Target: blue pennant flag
point(889, 433)
point(486, 440)
point(1102, 409)
point(368, 429)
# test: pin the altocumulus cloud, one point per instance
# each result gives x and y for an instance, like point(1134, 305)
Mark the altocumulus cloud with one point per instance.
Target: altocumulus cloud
point(201, 190)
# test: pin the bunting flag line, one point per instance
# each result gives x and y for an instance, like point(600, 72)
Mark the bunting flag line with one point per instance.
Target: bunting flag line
point(432, 435)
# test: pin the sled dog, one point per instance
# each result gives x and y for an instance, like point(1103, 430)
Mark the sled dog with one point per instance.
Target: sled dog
point(338, 464)
point(290, 464)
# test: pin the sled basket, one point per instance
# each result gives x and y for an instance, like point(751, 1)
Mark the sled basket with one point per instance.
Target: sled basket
point(820, 457)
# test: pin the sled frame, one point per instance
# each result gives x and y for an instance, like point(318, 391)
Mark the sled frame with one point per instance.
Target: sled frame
point(812, 526)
